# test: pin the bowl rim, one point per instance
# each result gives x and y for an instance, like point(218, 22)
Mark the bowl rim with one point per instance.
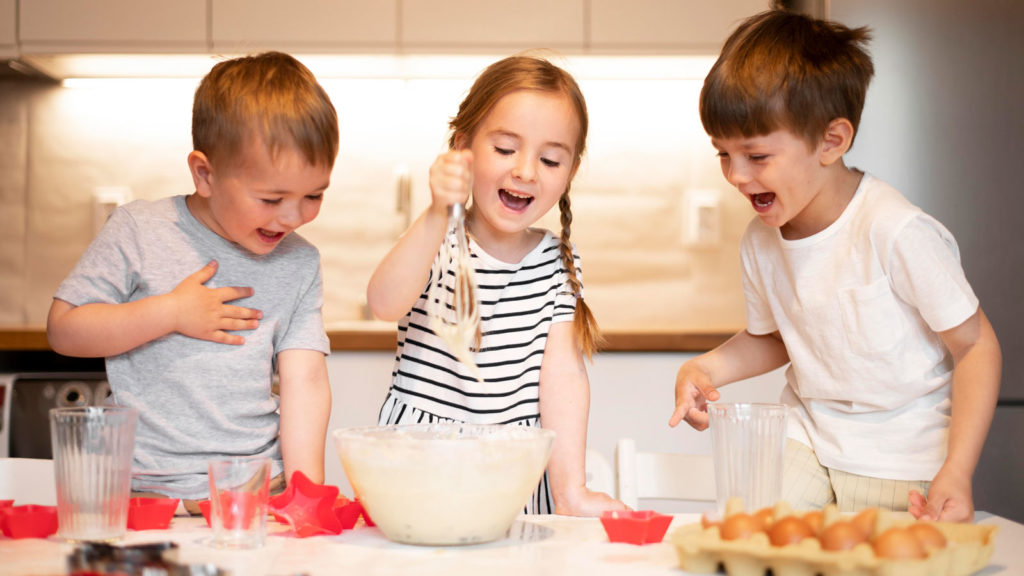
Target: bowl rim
point(530, 433)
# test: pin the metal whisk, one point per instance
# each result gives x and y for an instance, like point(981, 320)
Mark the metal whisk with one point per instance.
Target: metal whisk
point(457, 324)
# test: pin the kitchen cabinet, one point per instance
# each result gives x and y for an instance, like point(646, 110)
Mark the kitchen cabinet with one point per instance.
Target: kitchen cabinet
point(672, 26)
point(8, 31)
point(470, 24)
point(52, 26)
point(382, 26)
point(240, 26)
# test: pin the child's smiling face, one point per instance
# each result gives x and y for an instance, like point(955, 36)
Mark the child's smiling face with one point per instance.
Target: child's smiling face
point(782, 176)
point(257, 199)
point(524, 155)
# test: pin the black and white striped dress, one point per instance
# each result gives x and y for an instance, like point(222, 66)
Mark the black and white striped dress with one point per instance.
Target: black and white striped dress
point(518, 304)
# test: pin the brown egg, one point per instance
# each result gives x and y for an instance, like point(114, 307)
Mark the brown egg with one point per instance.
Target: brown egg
point(865, 520)
point(739, 526)
point(764, 517)
point(841, 535)
point(931, 537)
point(813, 519)
point(789, 530)
point(898, 544)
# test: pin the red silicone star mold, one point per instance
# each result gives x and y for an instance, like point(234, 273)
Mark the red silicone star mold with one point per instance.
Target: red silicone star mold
point(307, 507)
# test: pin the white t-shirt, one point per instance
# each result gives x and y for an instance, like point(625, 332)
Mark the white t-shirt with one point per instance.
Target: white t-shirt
point(858, 306)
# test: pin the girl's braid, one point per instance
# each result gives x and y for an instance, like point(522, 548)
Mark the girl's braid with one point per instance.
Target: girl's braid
point(588, 335)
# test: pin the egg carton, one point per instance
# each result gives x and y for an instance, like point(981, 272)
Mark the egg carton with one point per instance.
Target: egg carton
point(701, 550)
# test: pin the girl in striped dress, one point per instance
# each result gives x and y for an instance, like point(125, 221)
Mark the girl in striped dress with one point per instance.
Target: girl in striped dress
point(515, 146)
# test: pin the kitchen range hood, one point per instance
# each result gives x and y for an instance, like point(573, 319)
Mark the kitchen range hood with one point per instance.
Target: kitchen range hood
point(17, 68)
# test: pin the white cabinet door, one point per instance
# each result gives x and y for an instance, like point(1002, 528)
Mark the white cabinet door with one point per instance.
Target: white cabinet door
point(448, 25)
point(298, 25)
point(677, 26)
point(112, 25)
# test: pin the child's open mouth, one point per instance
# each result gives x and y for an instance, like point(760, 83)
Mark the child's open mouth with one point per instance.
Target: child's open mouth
point(762, 201)
point(268, 236)
point(514, 201)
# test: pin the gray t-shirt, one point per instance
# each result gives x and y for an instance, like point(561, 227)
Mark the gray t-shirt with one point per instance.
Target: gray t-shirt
point(197, 399)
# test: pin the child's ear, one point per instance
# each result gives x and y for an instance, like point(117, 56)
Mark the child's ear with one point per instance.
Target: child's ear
point(837, 141)
point(202, 173)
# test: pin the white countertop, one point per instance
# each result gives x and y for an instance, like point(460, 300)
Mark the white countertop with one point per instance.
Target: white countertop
point(536, 546)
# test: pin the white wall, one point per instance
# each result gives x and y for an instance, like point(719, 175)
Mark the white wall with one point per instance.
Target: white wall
point(646, 153)
point(631, 396)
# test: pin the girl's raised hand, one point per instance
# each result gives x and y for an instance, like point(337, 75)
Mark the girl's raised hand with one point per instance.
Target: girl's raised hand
point(451, 177)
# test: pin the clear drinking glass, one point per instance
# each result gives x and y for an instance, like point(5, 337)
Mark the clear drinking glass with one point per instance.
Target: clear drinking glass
point(92, 459)
point(748, 442)
point(239, 492)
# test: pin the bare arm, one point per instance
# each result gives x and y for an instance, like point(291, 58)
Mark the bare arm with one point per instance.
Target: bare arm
point(564, 408)
point(192, 309)
point(305, 411)
point(977, 370)
point(742, 356)
point(399, 279)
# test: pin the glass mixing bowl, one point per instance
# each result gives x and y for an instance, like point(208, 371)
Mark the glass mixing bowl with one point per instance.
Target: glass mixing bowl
point(443, 484)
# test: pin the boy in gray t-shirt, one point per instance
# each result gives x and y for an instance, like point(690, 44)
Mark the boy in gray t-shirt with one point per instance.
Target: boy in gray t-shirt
point(193, 300)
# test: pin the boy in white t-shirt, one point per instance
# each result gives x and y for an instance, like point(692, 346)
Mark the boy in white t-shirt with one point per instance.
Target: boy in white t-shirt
point(858, 289)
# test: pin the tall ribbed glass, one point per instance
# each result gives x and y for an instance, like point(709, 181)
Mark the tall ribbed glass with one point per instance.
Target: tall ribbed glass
point(748, 445)
point(92, 459)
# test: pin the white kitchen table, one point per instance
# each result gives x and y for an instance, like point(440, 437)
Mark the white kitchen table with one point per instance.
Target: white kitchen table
point(535, 546)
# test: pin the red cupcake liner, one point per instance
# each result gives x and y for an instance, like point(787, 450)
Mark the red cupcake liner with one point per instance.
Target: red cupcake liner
point(151, 513)
point(348, 514)
point(28, 521)
point(635, 527)
point(204, 507)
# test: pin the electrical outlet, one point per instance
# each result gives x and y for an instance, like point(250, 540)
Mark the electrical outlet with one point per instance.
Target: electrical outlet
point(104, 200)
point(701, 217)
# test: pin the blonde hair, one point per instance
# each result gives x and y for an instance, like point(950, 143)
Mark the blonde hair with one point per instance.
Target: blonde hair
point(786, 70)
point(524, 72)
point(270, 95)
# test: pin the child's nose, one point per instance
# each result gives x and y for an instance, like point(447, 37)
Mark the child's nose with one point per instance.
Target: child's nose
point(290, 215)
point(525, 169)
point(735, 174)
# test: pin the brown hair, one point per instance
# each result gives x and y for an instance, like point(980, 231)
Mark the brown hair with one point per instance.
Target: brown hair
point(524, 72)
point(271, 95)
point(782, 70)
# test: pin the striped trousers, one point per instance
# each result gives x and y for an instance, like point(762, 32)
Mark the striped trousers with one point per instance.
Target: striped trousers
point(807, 485)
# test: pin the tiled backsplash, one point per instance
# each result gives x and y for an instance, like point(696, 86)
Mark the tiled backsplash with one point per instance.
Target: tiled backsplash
point(646, 151)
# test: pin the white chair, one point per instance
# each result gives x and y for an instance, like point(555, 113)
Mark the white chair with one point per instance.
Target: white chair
point(664, 476)
point(600, 477)
point(28, 481)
